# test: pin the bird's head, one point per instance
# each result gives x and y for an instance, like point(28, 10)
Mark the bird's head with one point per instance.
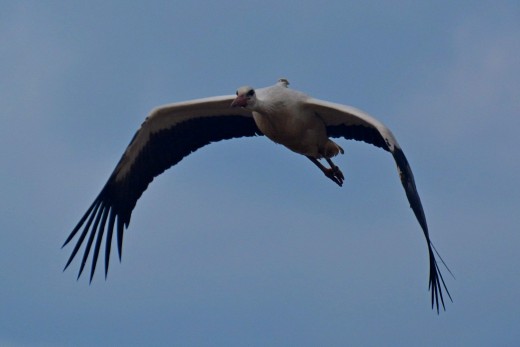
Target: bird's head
point(246, 97)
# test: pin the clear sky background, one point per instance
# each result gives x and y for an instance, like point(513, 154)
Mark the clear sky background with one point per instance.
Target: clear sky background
point(245, 243)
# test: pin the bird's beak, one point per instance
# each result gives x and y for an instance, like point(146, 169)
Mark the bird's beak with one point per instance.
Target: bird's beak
point(240, 101)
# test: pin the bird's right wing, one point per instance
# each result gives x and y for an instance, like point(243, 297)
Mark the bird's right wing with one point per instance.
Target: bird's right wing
point(353, 124)
point(167, 135)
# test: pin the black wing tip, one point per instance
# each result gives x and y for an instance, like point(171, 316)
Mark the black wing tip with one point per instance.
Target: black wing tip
point(436, 283)
point(99, 218)
point(65, 243)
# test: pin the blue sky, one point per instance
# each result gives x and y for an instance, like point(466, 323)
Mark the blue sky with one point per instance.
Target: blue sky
point(244, 242)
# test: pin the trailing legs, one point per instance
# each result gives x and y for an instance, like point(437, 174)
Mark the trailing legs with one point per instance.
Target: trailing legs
point(333, 173)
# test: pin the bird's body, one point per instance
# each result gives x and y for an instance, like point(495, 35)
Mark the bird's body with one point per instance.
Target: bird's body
point(288, 117)
point(285, 121)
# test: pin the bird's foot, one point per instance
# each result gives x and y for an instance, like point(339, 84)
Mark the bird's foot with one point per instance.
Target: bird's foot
point(335, 174)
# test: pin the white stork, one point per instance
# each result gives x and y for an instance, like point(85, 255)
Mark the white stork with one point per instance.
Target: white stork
point(288, 117)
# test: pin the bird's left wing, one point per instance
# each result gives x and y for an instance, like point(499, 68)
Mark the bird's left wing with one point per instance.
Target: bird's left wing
point(353, 124)
point(167, 135)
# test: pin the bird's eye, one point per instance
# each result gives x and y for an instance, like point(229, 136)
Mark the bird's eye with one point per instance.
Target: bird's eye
point(251, 92)
point(236, 92)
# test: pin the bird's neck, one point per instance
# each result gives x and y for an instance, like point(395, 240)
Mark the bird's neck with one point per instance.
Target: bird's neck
point(263, 107)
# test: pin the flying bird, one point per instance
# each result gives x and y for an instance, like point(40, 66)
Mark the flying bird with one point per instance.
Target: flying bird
point(291, 118)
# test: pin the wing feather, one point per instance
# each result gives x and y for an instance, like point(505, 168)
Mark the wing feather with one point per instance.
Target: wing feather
point(353, 124)
point(168, 134)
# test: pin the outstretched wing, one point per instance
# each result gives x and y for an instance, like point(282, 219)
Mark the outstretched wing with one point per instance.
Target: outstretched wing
point(167, 135)
point(352, 124)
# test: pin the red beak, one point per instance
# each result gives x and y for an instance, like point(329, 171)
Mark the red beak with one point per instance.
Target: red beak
point(240, 101)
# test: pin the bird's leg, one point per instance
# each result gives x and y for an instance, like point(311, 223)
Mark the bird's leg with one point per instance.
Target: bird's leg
point(333, 172)
point(336, 170)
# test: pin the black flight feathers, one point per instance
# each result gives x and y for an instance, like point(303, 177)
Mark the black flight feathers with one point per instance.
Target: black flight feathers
point(112, 209)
